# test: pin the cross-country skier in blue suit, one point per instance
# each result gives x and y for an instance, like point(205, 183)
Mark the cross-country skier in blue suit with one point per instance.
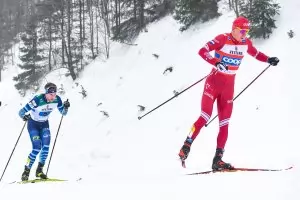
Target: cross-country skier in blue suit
point(40, 108)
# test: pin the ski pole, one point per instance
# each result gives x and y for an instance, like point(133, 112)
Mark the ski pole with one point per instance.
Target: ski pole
point(176, 95)
point(54, 143)
point(242, 91)
point(13, 151)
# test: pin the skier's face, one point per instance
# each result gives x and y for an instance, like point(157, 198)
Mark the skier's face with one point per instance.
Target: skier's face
point(240, 34)
point(50, 97)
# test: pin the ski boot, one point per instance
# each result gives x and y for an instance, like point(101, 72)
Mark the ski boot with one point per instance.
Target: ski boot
point(39, 171)
point(185, 149)
point(218, 163)
point(25, 174)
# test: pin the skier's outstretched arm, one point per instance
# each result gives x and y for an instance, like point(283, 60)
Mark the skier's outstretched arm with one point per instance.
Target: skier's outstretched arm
point(261, 56)
point(255, 53)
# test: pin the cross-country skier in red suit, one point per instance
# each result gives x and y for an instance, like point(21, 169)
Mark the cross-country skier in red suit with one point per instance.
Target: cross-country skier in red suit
point(230, 48)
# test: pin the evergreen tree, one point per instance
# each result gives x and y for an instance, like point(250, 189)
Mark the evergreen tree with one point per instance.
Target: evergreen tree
point(49, 27)
point(261, 16)
point(31, 57)
point(188, 12)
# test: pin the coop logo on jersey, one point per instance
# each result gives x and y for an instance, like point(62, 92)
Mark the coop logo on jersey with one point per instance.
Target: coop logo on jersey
point(44, 114)
point(231, 61)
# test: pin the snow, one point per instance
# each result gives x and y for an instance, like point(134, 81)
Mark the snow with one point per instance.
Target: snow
point(121, 157)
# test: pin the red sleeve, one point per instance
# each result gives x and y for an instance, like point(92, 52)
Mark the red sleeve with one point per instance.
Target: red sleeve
point(255, 53)
point(214, 44)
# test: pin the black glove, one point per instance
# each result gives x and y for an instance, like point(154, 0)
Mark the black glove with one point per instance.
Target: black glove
point(66, 104)
point(26, 117)
point(273, 61)
point(221, 66)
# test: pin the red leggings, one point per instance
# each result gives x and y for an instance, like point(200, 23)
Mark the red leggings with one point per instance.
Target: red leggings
point(218, 87)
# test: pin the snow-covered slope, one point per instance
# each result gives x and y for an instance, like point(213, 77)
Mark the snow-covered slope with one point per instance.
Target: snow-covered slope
point(123, 157)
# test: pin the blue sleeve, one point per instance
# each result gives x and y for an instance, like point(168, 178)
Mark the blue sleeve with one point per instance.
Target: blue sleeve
point(60, 107)
point(28, 107)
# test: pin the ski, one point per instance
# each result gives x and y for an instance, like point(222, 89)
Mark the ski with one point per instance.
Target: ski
point(42, 180)
point(242, 170)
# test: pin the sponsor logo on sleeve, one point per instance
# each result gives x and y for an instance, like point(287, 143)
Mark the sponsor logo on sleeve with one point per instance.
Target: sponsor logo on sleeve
point(32, 104)
point(206, 47)
point(216, 41)
point(208, 56)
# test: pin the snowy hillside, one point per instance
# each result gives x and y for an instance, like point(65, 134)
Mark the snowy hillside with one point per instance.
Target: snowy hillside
point(121, 157)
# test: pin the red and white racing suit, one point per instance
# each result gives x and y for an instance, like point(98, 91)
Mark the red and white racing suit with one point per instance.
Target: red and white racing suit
point(220, 85)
